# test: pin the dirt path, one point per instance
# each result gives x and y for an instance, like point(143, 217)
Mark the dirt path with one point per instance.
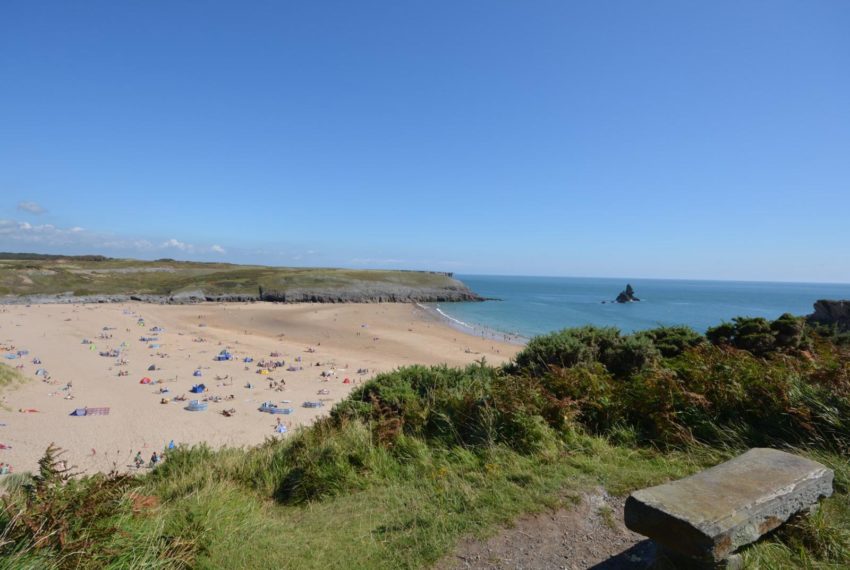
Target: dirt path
point(589, 535)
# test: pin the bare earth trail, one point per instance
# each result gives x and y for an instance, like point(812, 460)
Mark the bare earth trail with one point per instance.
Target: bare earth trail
point(338, 340)
point(589, 535)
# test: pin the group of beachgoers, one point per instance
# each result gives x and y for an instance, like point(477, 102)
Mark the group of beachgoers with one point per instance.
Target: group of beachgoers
point(155, 460)
point(109, 345)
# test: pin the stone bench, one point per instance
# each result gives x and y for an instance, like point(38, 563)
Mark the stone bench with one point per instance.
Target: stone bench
point(702, 520)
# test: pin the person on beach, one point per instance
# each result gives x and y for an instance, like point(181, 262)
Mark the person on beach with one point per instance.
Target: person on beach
point(138, 460)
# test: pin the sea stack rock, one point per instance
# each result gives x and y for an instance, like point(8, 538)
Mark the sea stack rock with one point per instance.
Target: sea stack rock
point(627, 296)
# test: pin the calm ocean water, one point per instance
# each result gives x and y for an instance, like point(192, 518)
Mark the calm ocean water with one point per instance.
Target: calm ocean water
point(536, 305)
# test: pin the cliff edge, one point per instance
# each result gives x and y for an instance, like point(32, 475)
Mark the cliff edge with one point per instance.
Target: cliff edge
point(828, 312)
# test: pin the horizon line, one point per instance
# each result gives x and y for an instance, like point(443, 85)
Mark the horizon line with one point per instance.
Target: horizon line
point(453, 272)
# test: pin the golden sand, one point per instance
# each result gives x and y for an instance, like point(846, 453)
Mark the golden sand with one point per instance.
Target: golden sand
point(337, 340)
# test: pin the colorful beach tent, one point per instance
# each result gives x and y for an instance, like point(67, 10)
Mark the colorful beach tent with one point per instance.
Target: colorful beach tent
point(145, 380)
point(223, 355)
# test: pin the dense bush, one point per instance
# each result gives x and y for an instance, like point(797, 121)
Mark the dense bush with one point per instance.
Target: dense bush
point(760, 336)
point(570, 347)
point(673, 341)
point(751, 385)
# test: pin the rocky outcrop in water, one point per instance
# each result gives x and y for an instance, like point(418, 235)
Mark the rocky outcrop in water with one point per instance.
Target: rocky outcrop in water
point(627, 295)
point(831, 313)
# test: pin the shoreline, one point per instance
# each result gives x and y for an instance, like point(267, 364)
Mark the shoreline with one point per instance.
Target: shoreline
point(473, 330)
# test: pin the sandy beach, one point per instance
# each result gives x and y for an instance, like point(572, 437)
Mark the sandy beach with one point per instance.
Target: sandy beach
point(321, 351)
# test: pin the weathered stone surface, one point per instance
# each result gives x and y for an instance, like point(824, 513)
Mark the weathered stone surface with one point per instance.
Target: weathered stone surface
point(832, 313)
point(359, 293)
point(627, 295)
point(710, 515)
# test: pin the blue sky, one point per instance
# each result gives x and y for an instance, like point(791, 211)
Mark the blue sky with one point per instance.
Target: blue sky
point(598, 138)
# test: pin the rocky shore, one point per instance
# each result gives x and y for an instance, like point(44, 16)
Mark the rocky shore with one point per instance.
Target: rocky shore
point(382, 293)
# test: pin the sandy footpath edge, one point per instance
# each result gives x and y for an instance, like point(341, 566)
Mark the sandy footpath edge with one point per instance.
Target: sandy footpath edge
point(337, 340)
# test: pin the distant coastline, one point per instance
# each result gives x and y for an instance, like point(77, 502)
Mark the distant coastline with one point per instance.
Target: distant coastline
point(47, 279)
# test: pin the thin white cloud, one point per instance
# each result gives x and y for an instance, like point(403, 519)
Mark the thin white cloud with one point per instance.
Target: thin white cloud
point(18, 234)
point(177, 244)
point(31, 207)
point(26, 232)
point(143, 245)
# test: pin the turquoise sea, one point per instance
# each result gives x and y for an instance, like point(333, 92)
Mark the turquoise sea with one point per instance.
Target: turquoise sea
point(534, 305)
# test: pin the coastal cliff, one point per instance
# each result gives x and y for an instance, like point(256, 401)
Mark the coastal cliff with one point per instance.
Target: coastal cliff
point(31, 278)
point(388, 294)
point(829, 312)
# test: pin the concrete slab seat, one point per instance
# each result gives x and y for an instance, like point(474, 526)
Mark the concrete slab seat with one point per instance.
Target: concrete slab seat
point(702, 520)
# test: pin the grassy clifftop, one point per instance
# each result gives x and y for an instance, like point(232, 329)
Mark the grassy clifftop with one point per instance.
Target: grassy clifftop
point(93, 276)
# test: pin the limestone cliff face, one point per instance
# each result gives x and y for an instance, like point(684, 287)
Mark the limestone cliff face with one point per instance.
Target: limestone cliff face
point(396, 294)
point(363, 292)
point(832, 313)
point(375, 292)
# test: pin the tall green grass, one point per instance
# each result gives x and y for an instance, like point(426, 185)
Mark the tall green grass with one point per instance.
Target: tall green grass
point(9, 377)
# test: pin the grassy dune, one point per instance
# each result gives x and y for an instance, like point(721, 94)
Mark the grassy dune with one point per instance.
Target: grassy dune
point(421, 457)
point(86, 276)
point(9, 377)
